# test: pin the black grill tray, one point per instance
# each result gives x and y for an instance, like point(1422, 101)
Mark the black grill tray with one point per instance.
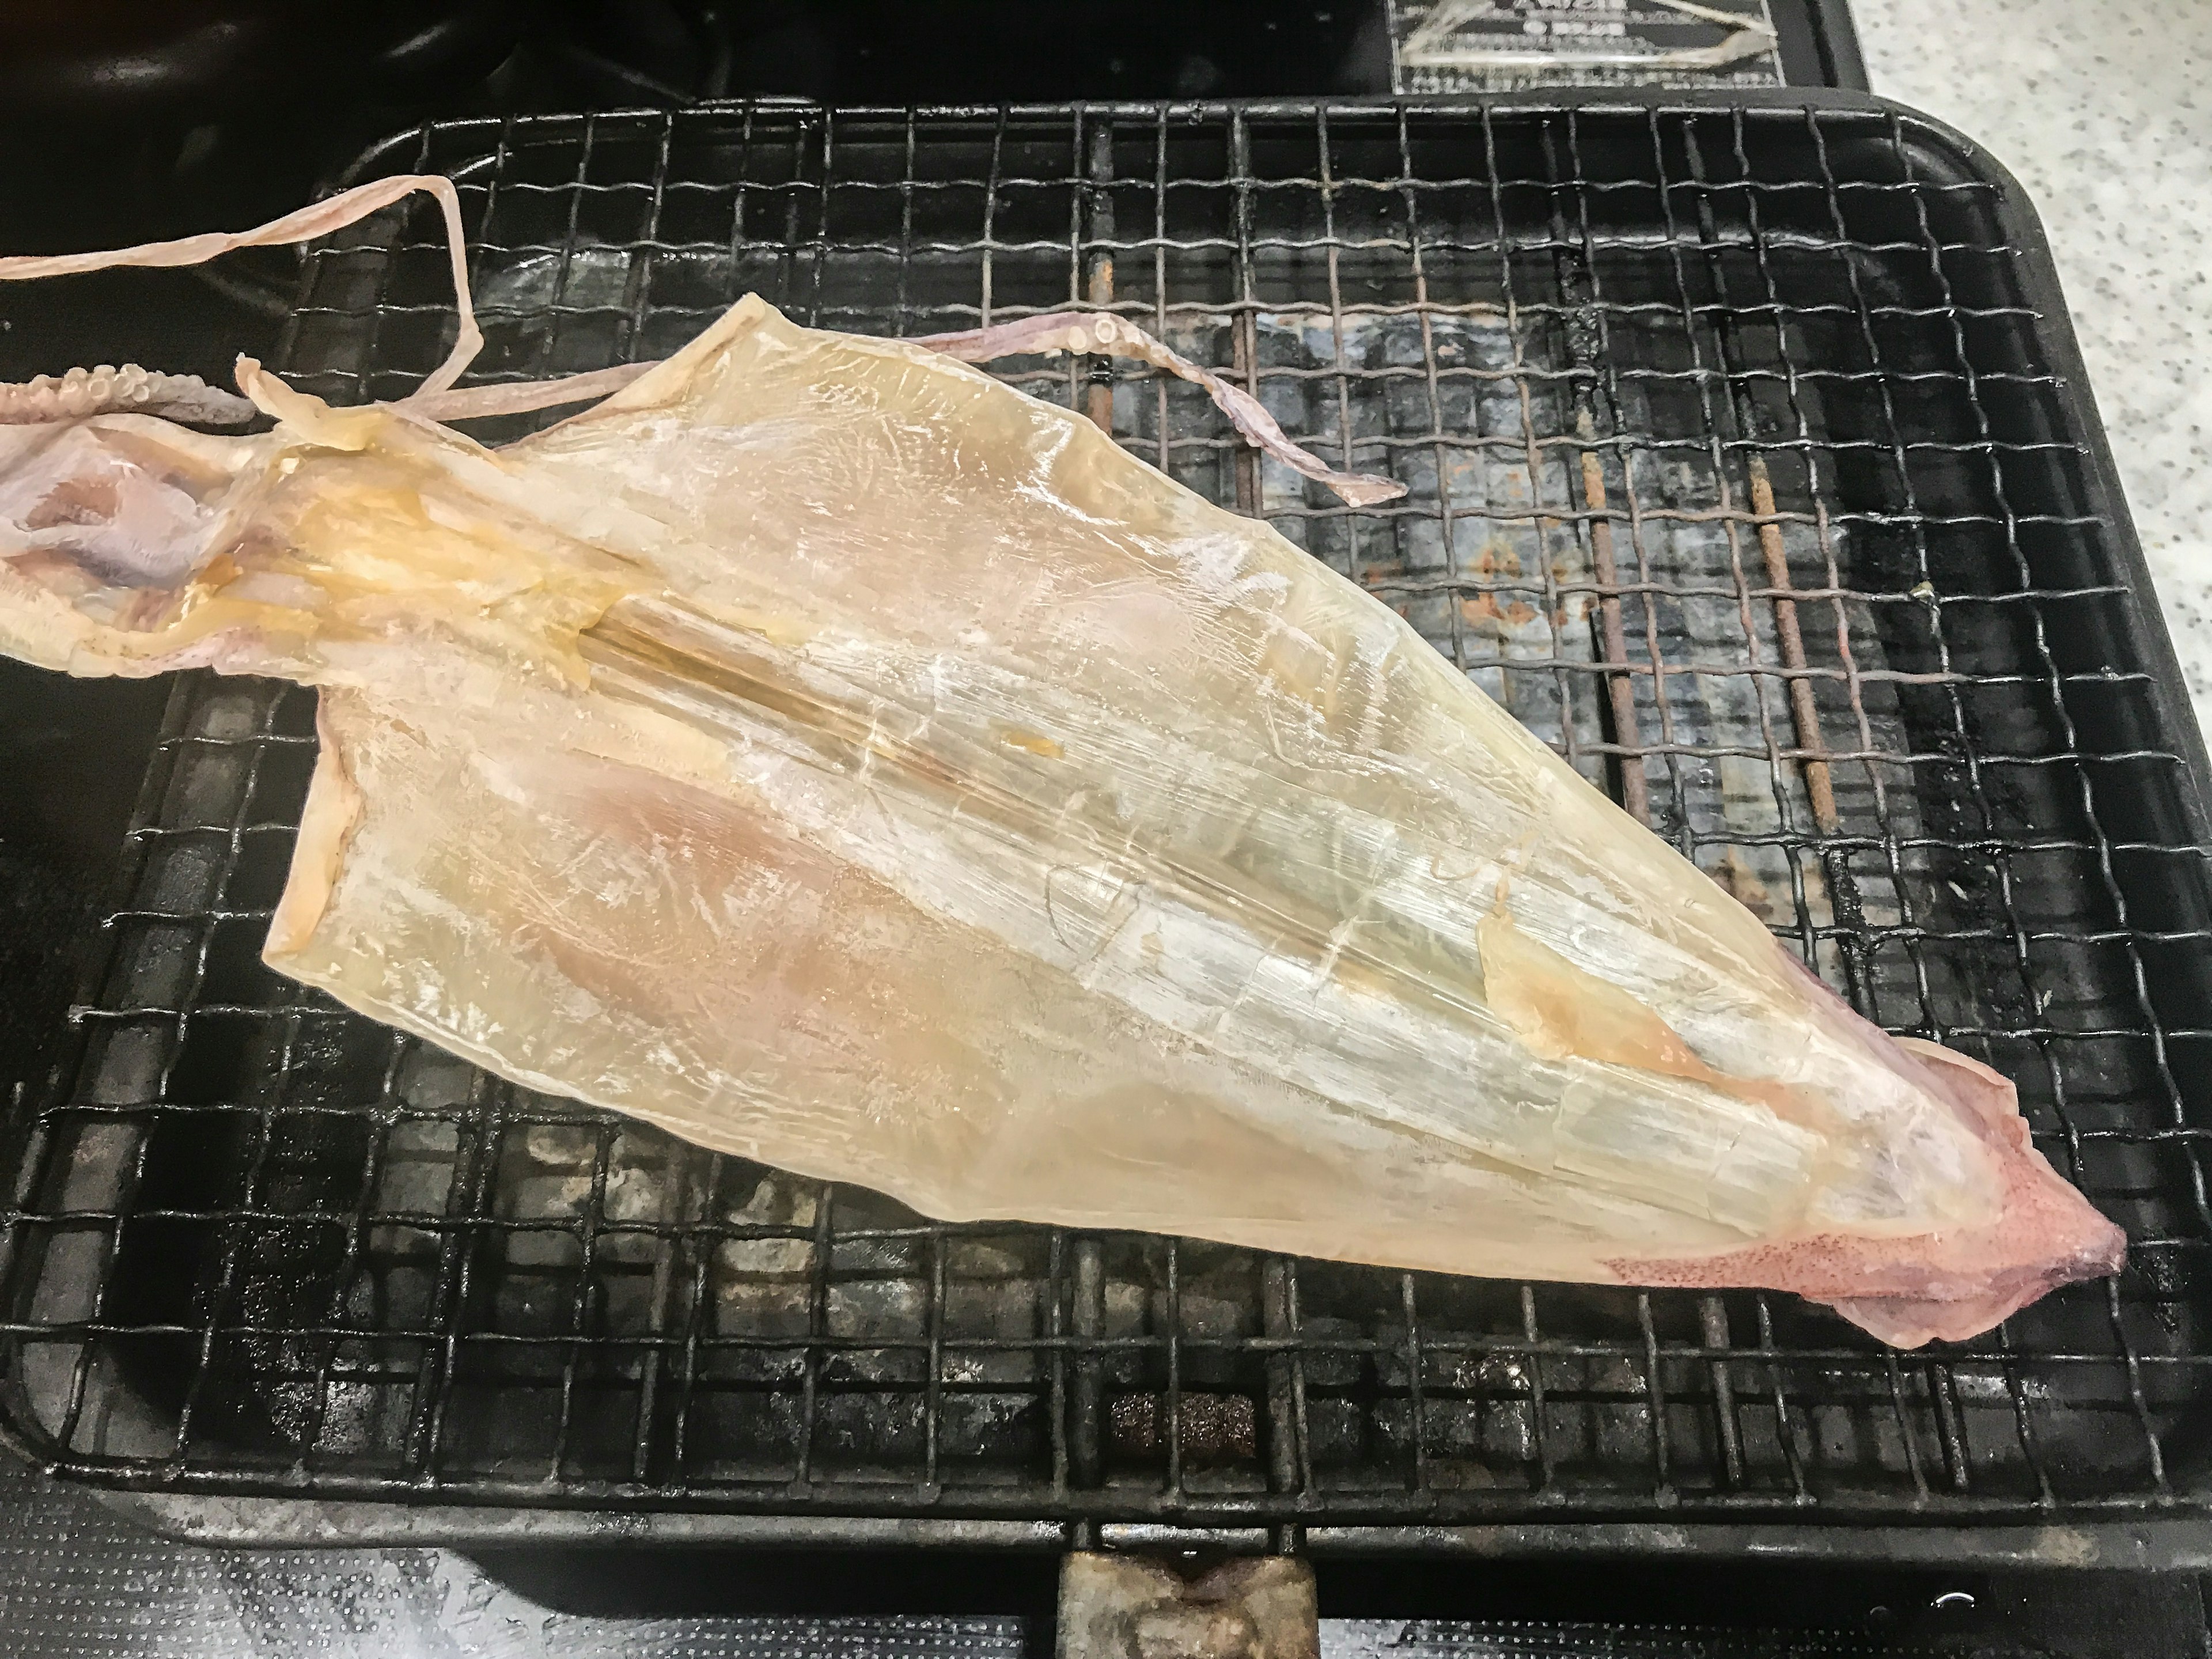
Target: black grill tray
point(1750, 463)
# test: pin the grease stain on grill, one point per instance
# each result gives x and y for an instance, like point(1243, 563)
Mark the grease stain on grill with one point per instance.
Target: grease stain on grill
point(1215, 1428)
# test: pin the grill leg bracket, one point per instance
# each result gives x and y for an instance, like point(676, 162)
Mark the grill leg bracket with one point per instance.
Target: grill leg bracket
point(1129, 1606)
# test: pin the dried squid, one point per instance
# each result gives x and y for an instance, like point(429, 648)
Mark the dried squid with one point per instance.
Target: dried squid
point(829, 753)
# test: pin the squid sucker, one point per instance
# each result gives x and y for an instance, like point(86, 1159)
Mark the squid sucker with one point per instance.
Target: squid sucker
point(840, 758)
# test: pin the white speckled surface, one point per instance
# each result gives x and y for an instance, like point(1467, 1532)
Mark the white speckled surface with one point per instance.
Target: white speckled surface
point(2103, 109)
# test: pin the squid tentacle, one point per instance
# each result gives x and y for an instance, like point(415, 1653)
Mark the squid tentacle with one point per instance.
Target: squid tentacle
point(1080, 332)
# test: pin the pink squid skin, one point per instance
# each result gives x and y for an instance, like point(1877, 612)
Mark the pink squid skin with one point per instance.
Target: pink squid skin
point(1949, 1286)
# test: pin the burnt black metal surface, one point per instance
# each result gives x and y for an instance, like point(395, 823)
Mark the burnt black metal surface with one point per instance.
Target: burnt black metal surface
point(1748, 462)
point(82, 1582)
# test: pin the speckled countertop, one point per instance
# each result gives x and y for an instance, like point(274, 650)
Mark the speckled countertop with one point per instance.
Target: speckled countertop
point(2103, 110)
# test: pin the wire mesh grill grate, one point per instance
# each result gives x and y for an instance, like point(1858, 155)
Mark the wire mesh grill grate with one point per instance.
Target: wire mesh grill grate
point(1739, 470)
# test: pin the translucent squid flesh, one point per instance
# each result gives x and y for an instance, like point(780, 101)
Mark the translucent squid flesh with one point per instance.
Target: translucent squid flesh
point(829, 753)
